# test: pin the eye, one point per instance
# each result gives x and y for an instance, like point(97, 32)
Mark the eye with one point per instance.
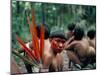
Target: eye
point(56, 40)
point(63, 41)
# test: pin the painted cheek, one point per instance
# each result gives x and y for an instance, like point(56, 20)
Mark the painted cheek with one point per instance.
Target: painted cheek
point(54, 44)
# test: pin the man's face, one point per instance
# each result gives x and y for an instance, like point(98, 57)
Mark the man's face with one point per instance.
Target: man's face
point(57, 44)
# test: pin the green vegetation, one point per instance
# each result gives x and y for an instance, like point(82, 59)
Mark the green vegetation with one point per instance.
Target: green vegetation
point(57, 16)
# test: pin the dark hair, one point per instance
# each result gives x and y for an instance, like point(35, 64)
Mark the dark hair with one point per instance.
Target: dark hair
point(78, 33)
point(47, 31)
point(59, 34)
point(91, 33)
point(71, 26)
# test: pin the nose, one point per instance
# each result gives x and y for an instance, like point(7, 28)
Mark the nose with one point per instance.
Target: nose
point(60, 45)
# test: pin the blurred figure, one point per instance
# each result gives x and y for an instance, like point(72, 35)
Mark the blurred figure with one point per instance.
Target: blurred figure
point(92, 42)
point(79, 50)
point(70, 31)
point(92, 37)
point(46, 45)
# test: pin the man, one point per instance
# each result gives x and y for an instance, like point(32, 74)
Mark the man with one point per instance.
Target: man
point(91, 37)
point(92, 42)
point(46, 45)
point(53, 60)
point(79, 50)
point(70, 31)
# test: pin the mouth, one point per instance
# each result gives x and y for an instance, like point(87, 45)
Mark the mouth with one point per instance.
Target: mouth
point(59, 50)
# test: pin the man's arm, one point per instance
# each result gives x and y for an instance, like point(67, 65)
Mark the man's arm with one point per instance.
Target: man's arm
point(70, 46)
point(47, 60)
point(29, 45)
point(72, 56)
